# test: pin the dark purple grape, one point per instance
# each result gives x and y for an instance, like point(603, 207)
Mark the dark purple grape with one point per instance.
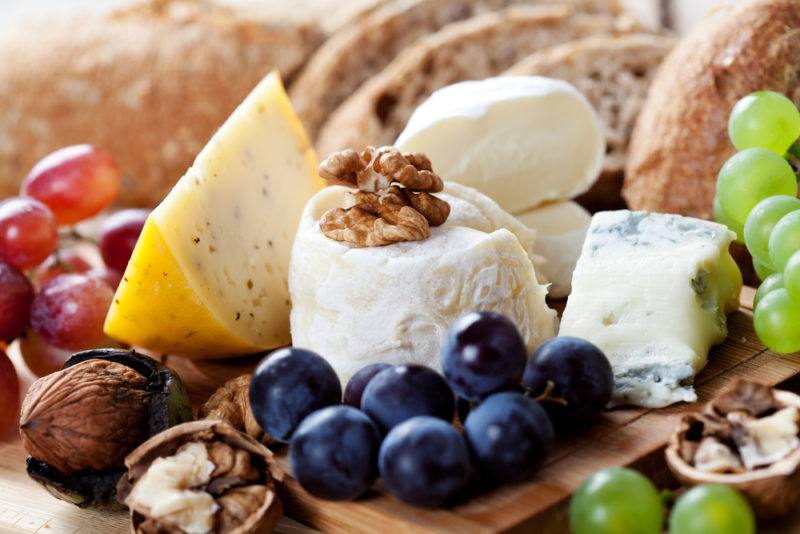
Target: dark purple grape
point(572, 378)
point(288, 385)
point(509, 436)
point(16, 296)
point(483, 353)
point(424, 461)
point(405, 391)
point(119, 235)
point(355, 387)
point(334, 453)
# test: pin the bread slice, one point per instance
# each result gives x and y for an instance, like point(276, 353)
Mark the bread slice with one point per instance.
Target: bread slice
point(149, 84)
point(680, 141)
point(362, 49)
point(477, 48)
point(614, 73)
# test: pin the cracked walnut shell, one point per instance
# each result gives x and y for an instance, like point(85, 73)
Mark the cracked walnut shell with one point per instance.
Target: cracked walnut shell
point(745, 438)
point(383, 212)
point(215, 477)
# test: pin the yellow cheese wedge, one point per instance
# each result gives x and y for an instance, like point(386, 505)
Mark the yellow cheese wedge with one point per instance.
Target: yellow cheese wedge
point(208, 277)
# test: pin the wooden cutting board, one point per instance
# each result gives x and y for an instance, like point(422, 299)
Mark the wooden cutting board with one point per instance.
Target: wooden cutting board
point(632, 437)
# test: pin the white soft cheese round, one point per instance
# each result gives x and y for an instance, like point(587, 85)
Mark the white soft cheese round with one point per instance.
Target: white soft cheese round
point(522, 140)
point(560, 231)
point(393, 304)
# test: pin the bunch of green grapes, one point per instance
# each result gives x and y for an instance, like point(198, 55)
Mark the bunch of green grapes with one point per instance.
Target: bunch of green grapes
point(757, 199)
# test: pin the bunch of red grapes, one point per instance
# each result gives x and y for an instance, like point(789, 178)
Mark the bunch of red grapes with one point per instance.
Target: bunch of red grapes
point(53, 297)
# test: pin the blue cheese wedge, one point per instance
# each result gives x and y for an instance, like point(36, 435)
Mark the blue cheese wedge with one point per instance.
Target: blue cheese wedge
point(652, 291)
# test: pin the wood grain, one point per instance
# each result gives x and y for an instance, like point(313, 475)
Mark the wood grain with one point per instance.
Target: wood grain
point(633, 437)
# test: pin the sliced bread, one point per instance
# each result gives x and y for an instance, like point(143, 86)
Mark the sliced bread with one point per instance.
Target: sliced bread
point(614, 73)
point(362, 49)
point(474, 49)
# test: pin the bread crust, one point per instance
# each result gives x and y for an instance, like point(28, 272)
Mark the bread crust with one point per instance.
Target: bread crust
point(477, 48)
point(614, 73)
point(362, 49)
point(680, 140)
point(148, 84)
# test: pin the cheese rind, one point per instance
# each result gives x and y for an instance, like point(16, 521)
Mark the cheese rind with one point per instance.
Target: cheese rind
point(393, 304)
point(522, 140)
point(560, 231)
point(652, 291)
point(228, 227)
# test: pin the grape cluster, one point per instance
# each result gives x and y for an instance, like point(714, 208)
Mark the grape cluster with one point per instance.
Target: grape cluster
point(757, 199)
point(395, 421)
point(54, 290)
point(620, 500)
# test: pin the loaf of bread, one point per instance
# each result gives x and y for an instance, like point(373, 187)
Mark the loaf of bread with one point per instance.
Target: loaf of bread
point(364, 47)
point(477, 48)
point(681, 139)
point(149, 84)
point(614, 73)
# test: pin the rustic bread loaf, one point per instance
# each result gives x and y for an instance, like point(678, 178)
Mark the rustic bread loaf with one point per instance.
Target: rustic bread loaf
point(614, 73)
point(149, 84)
point(366, 46)
point(681, 140)
point(477, 48)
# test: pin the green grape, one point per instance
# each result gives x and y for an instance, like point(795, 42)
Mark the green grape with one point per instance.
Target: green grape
point(616, 501)
point(770, 283)
point(762, 219)
point(776, 319)
point(764, 119)
point(784, 240)
point(749, 177)
point(723, 218)
point(791, 277)
point(712, 509)
point(762, 270)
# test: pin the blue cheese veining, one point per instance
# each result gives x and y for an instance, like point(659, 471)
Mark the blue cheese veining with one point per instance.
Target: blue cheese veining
point(652, 291)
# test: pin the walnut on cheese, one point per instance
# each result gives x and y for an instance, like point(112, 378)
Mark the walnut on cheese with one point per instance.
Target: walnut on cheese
point(382, 212)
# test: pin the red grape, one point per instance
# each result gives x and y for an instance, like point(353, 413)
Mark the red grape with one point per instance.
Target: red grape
point(28, 232)
point(70, 310)
point(16, 295)
point(63, 262)
point(42, 359)
point(77, 182)
point(9, 394)
point(109, 276)
point(119, 235)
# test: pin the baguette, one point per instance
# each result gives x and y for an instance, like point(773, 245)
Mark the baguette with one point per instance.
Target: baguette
point(364, 48)
point(681, 138)
point(474, 49)
point(614, 73)
point(148, 84)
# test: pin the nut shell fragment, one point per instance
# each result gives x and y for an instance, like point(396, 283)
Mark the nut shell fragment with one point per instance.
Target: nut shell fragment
point(242, 482)
point(772, 490)
point(231, 404)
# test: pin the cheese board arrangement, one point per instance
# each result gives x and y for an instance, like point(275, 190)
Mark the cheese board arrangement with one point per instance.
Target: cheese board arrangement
point(433, 327)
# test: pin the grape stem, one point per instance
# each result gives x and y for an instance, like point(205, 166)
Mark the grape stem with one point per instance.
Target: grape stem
point(547, 395)
point(73, 234)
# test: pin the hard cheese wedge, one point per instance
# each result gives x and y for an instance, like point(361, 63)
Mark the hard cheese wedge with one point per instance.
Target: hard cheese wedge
point(209, 275)
point(652, 291)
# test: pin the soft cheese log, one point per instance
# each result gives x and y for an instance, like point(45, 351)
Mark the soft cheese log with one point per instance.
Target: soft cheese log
point(208, 277)
point(560, 231)
point(652, 291)
point(393, 304)
point(522, 140)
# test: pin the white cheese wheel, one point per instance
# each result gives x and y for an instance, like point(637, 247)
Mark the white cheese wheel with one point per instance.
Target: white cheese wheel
point(522, 140)
point(560, 231)
point(394, 304)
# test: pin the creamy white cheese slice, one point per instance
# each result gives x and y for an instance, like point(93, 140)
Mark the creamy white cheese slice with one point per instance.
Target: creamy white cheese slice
point(393, 304)
point(522, 140)
point(652, 291)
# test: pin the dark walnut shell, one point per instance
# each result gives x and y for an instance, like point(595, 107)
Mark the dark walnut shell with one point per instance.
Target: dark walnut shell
point(79, 424)
point(773, 490)
point(248, 503)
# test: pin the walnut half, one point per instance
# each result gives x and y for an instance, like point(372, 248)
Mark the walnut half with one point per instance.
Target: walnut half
point(203, 476)
point(393, 202)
